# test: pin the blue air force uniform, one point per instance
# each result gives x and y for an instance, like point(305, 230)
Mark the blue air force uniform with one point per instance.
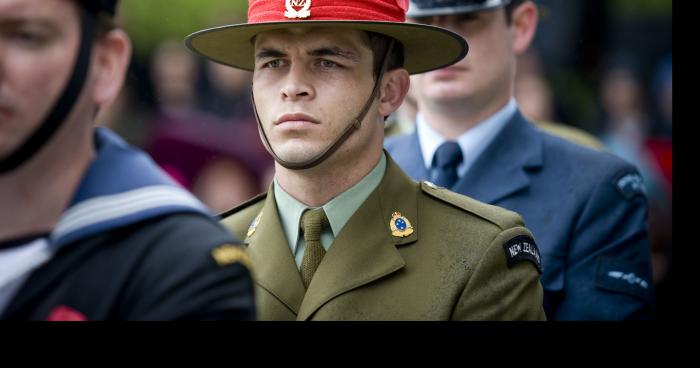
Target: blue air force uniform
point(586, 209)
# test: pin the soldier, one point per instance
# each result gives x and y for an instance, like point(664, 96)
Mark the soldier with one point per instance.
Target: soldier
point(343, 233)
point(587, 209)
point(90, 228)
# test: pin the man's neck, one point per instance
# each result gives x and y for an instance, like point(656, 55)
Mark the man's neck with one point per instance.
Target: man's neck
point(318, 185)
point(454, 118)
point(35, 195)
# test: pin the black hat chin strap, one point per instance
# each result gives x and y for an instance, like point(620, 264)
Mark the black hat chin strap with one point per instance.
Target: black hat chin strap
point(63, 105)
point(351, 127)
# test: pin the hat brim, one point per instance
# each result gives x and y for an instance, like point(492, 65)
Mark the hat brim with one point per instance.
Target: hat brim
point(425, 47)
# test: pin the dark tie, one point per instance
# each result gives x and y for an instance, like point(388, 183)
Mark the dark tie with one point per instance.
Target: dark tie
point(312, 224)
point(447, 157)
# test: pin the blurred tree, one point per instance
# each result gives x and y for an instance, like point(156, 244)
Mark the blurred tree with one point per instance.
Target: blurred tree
point(641, 8)
point(151, 21)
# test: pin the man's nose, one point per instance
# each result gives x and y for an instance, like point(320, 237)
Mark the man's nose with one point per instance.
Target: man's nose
point(297, 83)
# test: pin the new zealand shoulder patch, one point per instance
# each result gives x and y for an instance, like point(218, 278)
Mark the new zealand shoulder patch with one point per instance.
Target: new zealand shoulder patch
point(522, 248)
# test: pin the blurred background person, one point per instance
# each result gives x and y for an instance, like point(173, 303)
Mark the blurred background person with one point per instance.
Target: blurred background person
point(193, 144)
point(660, 145)
point(628, 124)
point(229, 94)
point(224, 182)
point(536, 102)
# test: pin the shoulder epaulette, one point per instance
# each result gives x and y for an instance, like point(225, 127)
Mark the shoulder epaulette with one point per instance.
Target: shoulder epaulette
point(502, 217)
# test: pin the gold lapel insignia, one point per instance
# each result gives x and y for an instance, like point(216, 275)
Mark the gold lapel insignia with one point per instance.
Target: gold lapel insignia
point(228, 253)
point(254, 225)
point(400, 226)
point(292, 13)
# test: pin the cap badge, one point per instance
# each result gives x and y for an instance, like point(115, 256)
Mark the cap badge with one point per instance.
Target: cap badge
point(293, 5)
point(400, 226)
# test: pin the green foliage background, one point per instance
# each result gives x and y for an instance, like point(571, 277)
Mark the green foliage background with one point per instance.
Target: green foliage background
point(150, 21)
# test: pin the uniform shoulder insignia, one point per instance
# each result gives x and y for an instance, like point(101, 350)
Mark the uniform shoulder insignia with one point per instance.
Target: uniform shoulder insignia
point(448, 196)
point(522, 248)
point(630, 184)
point(243, 205)
point(502, 217)
point(227, 254)
point(623, 276)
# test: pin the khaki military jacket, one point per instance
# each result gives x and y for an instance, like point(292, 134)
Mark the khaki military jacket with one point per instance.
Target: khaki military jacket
point(454, 265)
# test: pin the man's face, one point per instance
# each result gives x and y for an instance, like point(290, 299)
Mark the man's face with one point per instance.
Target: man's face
point(485, 73)
point(38, 39)
point(309, 84)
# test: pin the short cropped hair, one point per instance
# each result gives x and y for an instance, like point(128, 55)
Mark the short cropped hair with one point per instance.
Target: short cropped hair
point(379, 44)
point(511, 7)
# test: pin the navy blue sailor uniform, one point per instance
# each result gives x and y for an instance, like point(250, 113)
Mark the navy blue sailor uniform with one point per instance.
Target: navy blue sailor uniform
point(586, 209)
point(132, 245)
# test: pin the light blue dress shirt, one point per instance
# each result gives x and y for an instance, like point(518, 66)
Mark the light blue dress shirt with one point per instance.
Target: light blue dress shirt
point(472, 142)
point(338, 210)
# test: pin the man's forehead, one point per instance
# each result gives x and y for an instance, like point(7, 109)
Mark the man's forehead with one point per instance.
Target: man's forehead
point(31, 9)
point(311, 37)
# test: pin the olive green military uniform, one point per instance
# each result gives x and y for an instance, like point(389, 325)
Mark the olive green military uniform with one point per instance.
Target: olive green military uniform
point(453, 266)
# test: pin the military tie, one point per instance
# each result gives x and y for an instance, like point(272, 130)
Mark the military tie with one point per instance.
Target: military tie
point(447, 157)
point(312, 224)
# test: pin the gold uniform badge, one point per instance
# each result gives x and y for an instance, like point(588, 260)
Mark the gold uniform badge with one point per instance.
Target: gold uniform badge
point(400, 226)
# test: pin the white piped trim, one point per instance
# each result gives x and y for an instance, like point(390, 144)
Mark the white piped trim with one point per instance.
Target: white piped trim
point(110, 207)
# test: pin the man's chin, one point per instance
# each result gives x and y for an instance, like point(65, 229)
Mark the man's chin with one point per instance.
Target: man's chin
point(296, 154)
point(445, 91)
point(448, 96)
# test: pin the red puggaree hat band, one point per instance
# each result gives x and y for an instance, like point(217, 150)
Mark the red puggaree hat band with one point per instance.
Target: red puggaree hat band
point(368, 10)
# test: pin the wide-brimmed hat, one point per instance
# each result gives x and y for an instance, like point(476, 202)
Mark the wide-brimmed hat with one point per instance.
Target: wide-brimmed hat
point(425, 47)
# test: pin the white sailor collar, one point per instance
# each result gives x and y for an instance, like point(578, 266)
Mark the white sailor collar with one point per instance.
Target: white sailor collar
point(122, 186)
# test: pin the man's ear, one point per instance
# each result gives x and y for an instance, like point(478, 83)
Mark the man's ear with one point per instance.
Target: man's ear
point(112, 54)
point(394, 88)
point(523, 26)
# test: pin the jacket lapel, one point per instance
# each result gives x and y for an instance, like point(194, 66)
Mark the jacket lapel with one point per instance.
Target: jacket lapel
point(502, 168)
point(407, 153)
point(365, 249)
point(273, 263)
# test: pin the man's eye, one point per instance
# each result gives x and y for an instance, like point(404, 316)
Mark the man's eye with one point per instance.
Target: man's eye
point(329, 64)
point(27, 38)
point(273, 64)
